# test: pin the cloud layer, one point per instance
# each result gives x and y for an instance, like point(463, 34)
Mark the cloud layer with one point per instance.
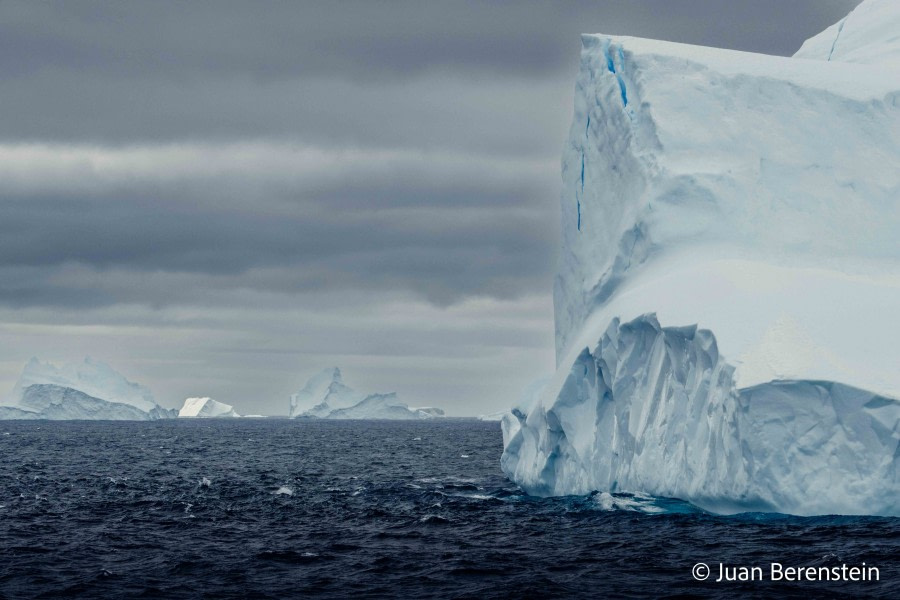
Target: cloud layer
point(220, 198)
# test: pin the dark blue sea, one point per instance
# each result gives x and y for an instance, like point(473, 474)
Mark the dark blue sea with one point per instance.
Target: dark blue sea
point(273, 508)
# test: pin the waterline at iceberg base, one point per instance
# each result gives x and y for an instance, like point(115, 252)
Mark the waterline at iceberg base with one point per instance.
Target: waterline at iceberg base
point(729, 278)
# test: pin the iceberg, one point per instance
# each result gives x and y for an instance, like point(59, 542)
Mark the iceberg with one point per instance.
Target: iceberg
point(205, 408)
point(322, 394)
point(729, 272)
point(87, 390)
point(494, 416)
point(326, 396)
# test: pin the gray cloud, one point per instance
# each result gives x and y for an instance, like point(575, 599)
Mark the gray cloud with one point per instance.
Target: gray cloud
point(271, 217)
point(361, 39)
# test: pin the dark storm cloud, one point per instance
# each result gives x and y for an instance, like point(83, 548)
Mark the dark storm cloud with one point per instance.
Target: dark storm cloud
point(442, 257)
point(285, 40)
point(340, 71)
point(509, 116)
point(444, 226)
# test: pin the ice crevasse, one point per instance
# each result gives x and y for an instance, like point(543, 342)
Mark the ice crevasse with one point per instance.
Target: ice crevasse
point(729, 280)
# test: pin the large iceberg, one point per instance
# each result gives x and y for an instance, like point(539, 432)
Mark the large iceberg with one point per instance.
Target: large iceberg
point(87, 390)
point(206, 408)
point(327, 397)
point(729, 276)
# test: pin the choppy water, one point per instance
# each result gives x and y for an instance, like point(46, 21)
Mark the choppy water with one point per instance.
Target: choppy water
point(279, 509)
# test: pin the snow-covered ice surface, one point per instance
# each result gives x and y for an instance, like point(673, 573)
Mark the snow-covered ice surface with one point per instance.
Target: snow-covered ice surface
point(206, 408)
point(729, 277)
point(86, 390)
point(869, 34)
point(326, 396)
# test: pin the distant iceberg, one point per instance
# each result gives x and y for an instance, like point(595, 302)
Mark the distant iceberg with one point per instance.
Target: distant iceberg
point(79, 391)
point(729, 278)
point(325, 396)
point(206, 408)
point(495, 416)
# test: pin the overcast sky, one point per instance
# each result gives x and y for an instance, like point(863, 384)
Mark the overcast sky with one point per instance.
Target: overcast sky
point(221, 199)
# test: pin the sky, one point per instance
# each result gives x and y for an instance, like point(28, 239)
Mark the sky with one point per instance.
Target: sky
point(223, 198)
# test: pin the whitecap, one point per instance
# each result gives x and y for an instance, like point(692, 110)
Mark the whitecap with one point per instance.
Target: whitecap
point(474, 496)
point(284, 491)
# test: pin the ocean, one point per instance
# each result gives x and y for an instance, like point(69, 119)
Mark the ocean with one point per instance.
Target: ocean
point(274, 508)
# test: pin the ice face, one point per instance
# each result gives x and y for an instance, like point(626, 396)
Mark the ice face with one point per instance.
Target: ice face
point(654, 409)
point(722, 155)
point(206, 408)
point(754, 200)
point(326, 396)
point(54, 402)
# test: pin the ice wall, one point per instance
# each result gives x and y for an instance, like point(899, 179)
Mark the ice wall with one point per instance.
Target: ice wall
point(655, 409)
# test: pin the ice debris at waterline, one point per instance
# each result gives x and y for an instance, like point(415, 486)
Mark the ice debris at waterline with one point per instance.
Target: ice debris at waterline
point(87, 390)
point(326, 396)
point(206, 408)
point(757, 197)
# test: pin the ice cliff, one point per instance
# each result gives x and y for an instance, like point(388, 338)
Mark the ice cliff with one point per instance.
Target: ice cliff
point(728, 280)
point(326, 396)
point(87, 390)
point(206, 408)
